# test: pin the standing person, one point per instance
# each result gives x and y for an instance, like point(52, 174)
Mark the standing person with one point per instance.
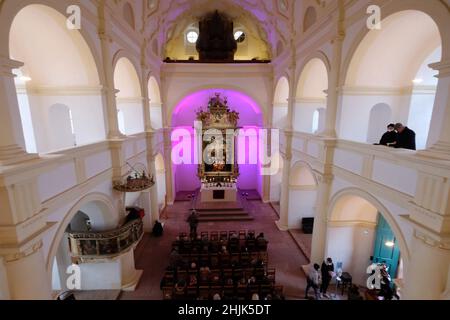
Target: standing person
point(193, 223)
point(313, 281)
point(406, 137)
point(327, 270)
point(389, 138)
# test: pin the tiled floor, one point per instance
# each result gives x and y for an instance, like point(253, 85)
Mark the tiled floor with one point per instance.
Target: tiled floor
point(152, 255)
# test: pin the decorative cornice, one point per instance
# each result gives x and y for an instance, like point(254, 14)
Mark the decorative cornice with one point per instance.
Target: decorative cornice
point(386, 91)
point(436, 241)
point(7, 65)
point(130, 100)
point(15, 256)
point(443, 67)
point(61, 90)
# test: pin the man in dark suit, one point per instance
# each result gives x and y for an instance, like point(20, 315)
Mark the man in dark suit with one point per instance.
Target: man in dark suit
point(406, 137)
point(389, 137)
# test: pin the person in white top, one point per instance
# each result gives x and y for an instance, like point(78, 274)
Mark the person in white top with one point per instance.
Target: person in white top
point(313, 281)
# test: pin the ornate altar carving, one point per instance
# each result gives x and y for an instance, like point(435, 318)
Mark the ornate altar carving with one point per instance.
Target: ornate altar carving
point(219, 170)
point(135, 180)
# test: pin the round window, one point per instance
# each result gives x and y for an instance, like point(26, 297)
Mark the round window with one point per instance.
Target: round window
point(192, 36)
point(239, 36)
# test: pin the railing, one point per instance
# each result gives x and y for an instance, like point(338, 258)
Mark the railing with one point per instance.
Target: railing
point(88, 246)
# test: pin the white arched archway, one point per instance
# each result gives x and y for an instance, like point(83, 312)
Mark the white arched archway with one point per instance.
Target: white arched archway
point(59, 68)
point(384, 68)
point(280, 103)
point(154, 96)
point(129, 96)
point(380, 117)
point(160, 180)
point(352, 220)
point(311, 97)
point(302, 194)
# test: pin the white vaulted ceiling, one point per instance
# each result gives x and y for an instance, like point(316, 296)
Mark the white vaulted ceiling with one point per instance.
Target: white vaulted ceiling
point(269, 20)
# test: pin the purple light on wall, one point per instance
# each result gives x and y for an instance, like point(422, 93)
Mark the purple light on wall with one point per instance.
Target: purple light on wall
point(250, 116)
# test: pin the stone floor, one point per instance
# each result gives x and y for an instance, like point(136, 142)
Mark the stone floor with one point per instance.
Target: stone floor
point(152, 255)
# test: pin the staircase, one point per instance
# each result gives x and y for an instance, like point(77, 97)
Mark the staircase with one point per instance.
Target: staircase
point(223, 211)
point(213, 215)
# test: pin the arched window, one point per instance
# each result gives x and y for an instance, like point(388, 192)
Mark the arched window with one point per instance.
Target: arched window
point(128, 14)
point(380, 117)
point(310, 18)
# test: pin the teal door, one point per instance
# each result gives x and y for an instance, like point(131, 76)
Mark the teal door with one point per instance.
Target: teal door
point(386, 247)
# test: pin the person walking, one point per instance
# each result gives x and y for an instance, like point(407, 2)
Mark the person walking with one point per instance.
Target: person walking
point(313, 281)
point(193, 223)
point(327, 270)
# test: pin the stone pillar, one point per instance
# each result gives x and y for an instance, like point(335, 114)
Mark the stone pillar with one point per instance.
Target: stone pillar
point(426, 274)
point(12, 143)
point(439, 136)
point(4, 287)
point(319, 235)
point(27, 275)
point(334, 76)
point(170, 193)
point(109, 91)
point(284, 200)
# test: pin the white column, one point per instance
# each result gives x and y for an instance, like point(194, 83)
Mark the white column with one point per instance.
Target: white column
point(4, 287)
point(109, 92)
point(319, 236)
point(427, 271)
point(170, 188)
point(439, 135)
point(27, 275)
point(334, 75)
point(12, 143)
point(284, 200)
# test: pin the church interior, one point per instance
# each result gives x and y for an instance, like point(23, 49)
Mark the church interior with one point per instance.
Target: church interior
point(224, 150)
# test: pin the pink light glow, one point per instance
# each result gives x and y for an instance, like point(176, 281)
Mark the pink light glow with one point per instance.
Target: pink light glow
point(249, 111)
point(250, 117)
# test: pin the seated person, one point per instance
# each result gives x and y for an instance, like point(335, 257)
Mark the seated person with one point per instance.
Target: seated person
point(216, 296)
point(157, 229)
point(353, 293)
point(250, 236)
point(389, 138)
point(261, 235)
point(192, 280)
point(175, 259)
point(252, 280)
point(180, 286)
point(204, 274)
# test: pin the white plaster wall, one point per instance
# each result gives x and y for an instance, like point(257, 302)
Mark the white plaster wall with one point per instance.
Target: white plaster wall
point(101, 276)
point(156, 116)
point(303, 116)
point(133, 117)
point(87, 113)
point(348, 160)
point(51, 183)
point(353, 246)
point(420, 117)
point(354, 114)
point(301, 205)
point(395, 176)
point(97, 163)
point(279, 119)
point(4, 289)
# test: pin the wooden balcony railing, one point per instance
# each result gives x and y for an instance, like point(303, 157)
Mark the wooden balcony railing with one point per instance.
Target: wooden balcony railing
point(89, 246)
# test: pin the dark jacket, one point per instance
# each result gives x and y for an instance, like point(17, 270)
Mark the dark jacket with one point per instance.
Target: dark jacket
point(406, 139)
point(388, 137)
point(325, 270)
